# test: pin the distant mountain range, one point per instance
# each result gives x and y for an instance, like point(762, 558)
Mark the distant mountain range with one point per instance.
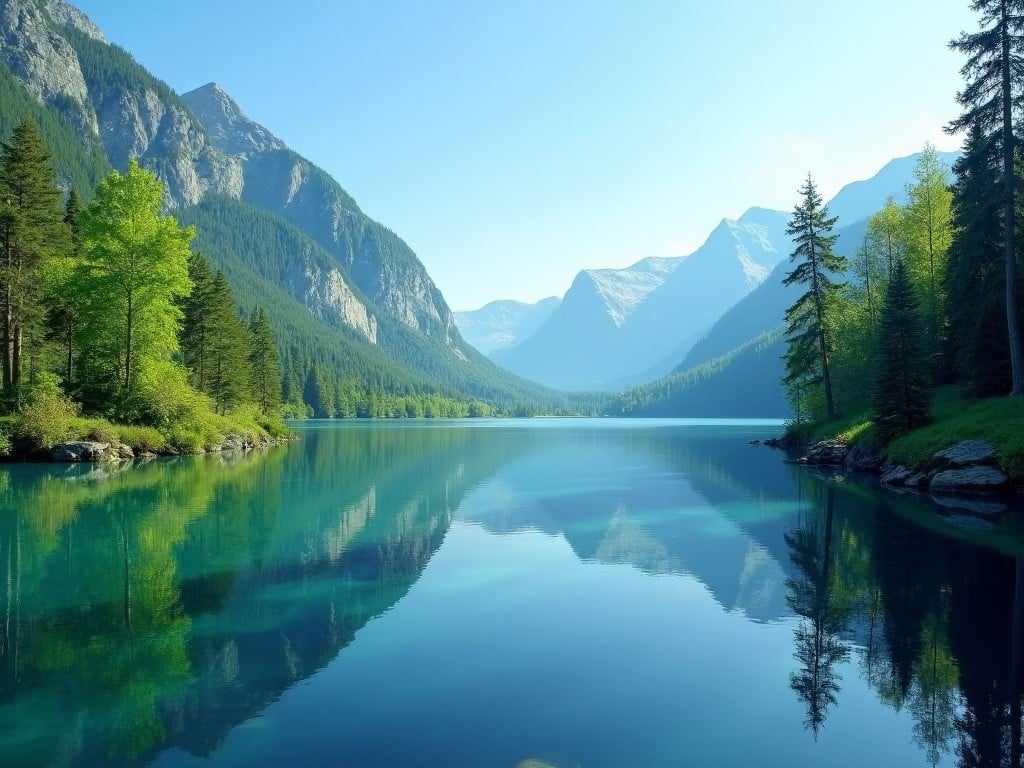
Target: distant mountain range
point(621, 327)
point(718, 308)
point(346, 295)
point(502, 324)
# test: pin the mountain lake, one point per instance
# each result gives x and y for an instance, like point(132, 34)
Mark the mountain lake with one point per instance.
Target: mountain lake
point(515, 594)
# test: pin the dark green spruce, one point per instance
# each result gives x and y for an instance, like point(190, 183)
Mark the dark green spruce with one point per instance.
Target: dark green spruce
point(976, 274)
point(263, 363)
point(32, 233)
point(808, 335)
point(992, 91)
point(902, 394)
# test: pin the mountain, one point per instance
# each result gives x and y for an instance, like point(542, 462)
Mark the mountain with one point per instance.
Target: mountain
point(862, 199)
point(621, 327)
point(725, 360)
point(343, 291)
point(503, 323)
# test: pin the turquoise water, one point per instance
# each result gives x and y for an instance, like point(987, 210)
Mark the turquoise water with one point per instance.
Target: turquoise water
point(599, 594)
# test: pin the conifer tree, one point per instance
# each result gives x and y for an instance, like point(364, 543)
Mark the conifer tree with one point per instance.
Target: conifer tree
point(991, 93)
point(32, 233)
point(263, 363)
point(901, 386)
point(196, 320)
point(807, 333)
point(978, 339)
point(228, 374)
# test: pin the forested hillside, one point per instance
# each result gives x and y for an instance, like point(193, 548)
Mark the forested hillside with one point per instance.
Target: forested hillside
point(349, 300)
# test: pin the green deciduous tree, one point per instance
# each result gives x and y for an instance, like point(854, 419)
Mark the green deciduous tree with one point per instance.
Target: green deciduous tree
point(928, 224)
point(32, 233)
point(63, 314)
point(886, 235)
point(991, 93)
point(807, 332)
point(901, 385)
point(133, 271)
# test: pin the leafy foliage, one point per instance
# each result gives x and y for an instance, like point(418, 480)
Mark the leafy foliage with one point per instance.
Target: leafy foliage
point(134, 268)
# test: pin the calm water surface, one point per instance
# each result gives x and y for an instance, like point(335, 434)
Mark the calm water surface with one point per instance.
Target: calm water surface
point(584, 594)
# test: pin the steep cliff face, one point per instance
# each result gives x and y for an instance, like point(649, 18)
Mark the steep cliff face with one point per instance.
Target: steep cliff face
point(62, 59)
point(202, 144)
point(43, 61)
point(277, 179)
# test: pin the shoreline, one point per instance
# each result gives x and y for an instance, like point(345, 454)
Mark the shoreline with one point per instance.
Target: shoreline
point(964, 478)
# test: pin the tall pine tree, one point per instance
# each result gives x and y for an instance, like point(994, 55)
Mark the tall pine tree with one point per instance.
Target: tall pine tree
point(991, 93)
point(32, 233)
point(228, 373)
point(807, 332)
point(196, 321)
point(263, 363)
point(978, 340)
point(214, 340)
point(901, 386)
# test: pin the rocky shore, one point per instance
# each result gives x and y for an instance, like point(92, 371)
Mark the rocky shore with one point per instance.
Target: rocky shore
point(75, 451)
point(965, 476)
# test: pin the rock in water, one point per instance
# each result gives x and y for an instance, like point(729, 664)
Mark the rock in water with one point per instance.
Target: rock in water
point(969, 480)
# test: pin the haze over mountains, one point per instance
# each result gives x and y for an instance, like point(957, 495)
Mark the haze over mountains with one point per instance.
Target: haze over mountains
point(349, 299)
point(617, 328)
point(504, 323)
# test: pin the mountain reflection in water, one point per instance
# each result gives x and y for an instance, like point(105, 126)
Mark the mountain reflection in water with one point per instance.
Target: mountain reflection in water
point(161, 613)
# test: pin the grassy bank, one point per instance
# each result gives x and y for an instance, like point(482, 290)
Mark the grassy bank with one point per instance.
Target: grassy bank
point(999, 421)
point(48, 422)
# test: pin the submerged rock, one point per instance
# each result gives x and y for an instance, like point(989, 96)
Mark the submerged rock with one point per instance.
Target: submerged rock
point(974, 479)
point(971, 506)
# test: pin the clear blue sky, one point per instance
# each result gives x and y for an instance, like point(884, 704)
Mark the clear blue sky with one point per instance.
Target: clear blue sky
point(513, 143)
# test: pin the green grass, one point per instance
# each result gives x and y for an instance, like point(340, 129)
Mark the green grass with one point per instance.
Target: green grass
point(855, 428)
point(999, 421)
point(144, 439)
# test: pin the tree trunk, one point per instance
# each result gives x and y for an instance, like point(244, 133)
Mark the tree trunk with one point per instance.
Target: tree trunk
point(128, 350)
point(1012, 311)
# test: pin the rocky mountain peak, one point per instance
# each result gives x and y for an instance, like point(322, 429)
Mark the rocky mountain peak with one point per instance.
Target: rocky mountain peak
point(68, 16)
point(227, 125)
